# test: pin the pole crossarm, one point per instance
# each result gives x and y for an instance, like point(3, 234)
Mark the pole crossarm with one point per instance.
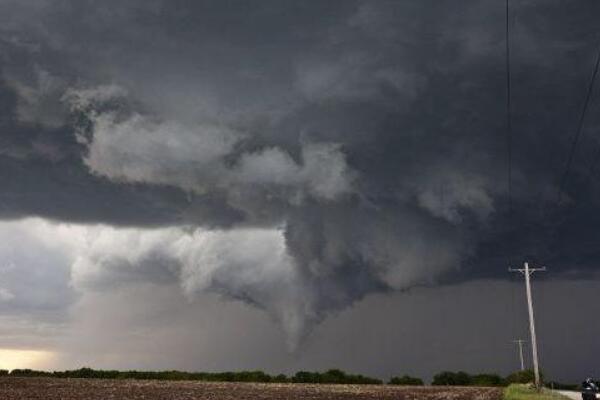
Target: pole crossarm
point(529, 270)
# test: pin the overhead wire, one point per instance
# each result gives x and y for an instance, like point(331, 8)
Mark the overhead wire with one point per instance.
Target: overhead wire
point(596, 155)
point(508, 113)
point(509, 165)
point(579, 131)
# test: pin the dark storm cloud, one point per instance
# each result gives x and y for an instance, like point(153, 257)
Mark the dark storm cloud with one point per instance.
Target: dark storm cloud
point(372, 133)
point(42, 174)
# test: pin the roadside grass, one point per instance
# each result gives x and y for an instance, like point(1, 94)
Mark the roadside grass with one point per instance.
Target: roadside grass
point(527, 392)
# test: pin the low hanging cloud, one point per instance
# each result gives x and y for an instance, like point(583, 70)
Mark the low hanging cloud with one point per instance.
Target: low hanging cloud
point(245, 264)
point(449, 193)
point(253, 265)
point(248, 264)
point(201, 158)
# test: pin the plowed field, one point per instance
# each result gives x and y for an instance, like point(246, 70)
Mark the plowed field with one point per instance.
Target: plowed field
point(99, 389)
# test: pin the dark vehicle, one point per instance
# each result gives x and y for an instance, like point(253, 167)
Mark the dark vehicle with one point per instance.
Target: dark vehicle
point(589, 390)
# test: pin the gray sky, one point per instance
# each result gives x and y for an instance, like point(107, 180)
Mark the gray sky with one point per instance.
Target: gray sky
point(281, 185)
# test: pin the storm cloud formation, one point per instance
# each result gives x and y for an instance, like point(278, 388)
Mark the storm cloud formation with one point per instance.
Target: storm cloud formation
point(298, 156)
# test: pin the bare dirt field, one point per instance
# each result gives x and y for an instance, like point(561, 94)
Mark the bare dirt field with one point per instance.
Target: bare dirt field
point(99, 389)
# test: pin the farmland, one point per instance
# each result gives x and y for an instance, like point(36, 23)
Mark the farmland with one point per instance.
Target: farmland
point(12, 388)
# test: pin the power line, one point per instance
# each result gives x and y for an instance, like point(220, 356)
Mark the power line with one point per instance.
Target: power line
point(508, 112)
point(579, 129)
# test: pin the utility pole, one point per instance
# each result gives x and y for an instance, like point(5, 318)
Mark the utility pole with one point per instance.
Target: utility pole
point(527, 273)
point(520, 342)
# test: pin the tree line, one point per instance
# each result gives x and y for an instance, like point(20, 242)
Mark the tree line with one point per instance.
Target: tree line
point(332, 376)
point(462, 378)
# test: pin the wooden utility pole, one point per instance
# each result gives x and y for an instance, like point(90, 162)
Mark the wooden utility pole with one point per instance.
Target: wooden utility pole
point(520, 342)
point(527, 273)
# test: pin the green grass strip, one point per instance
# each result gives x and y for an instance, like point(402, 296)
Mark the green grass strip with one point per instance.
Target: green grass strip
point(527, 392)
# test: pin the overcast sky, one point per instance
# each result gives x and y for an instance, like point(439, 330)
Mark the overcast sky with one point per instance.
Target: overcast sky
point(284, 185)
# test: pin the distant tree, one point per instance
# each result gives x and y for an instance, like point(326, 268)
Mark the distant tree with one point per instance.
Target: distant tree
point(449, 378)
point(85, 372)
point(525, 376)
point(405, 380)
point(333, 376)
point(487, 380)
point(3, 372)
point(251, 376)
point(29, 373)
point(306, 377)
point(281, 378)
point(330, 376)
